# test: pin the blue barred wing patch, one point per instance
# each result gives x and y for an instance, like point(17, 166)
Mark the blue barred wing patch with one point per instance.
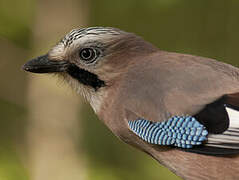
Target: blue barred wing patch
point(180, 131)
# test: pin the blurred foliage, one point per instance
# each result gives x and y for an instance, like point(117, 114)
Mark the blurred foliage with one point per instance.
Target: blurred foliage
point(10, 165)
point(16, 20)
point(12, 124)
point(13, 118)
point(15, 27)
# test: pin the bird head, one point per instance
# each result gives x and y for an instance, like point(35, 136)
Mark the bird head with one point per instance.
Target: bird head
point(91, 59)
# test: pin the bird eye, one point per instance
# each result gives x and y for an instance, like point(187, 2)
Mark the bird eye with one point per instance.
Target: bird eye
point(88, 54)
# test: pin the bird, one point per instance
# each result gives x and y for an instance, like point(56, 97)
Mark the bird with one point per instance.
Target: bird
point(180, 109)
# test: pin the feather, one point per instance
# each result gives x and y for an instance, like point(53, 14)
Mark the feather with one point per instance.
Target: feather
point(230, 137)
point(179, 131)
point(226, 142)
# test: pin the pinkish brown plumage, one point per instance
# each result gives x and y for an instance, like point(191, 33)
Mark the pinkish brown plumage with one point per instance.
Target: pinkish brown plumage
point(125, 78)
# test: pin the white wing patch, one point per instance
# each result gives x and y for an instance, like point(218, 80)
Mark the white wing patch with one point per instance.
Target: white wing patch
point(229, 138)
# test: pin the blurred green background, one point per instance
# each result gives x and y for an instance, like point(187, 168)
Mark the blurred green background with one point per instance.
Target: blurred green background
point(48, 132)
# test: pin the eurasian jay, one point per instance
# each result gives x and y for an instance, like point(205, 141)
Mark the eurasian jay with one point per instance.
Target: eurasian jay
point(178, 108)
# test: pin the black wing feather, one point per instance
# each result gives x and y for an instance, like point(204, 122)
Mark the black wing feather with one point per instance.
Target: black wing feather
point(215, 118)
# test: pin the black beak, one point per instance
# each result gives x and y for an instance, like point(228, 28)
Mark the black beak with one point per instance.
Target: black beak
point(42, 64)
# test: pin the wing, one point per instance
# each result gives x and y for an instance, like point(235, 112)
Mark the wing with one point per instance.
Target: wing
point(212, 131)
point(172, 84)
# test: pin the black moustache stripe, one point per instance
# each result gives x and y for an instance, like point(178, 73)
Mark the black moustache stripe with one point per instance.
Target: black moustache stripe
point(85, 77)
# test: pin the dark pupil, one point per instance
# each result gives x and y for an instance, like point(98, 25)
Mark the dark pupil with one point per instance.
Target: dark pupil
point(87, 54)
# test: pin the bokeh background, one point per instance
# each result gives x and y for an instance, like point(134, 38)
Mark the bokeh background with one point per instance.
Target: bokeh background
point(46, 130)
